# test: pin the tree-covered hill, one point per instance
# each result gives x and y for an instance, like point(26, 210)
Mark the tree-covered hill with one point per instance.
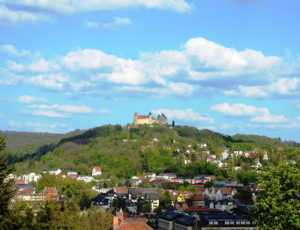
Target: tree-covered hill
point(123, 152)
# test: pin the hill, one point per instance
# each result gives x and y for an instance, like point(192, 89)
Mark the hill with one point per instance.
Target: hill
point(123, 152)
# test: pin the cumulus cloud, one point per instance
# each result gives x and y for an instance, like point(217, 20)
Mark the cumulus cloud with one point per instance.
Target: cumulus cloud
point(70, 6)
point(208, 58)
point(108, 25)
point(48, 113)
point(184, 115)
point(201, 66)
point(11, 17)
point(10, 49)
point(280, 87)
point(65, 108)
point(258, 114)
point(26, 99)
point(49, 81)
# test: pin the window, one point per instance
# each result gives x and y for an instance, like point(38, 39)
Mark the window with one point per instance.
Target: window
point(238, 222)
point(226, 222)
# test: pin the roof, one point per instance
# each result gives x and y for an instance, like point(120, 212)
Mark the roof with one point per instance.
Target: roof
point(97, 169)
point(133, 226)
point(185, 220)
point(49, 190)
point(202, 209)
point(121, 190)
point(169, 215)
point(197, 197)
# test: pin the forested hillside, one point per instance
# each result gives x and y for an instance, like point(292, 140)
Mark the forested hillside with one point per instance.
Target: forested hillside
point(124, 152)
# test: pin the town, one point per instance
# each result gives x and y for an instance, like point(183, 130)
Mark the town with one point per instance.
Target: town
point(166, 200)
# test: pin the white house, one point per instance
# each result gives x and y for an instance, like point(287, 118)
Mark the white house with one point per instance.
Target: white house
point(97, 171)
point(224, 155)
point(31, 177)
point(150, 175)
point(54, 171)
point(238, 152)
point(72, 173)
point(86, 179)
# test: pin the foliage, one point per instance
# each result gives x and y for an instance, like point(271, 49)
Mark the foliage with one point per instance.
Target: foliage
point(6, 189)
point(278, 205)
point(123, 152)
point(244, 195)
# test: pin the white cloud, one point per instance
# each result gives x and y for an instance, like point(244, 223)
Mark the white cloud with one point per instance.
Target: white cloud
point(25, 99)
point(104, 111)
point(298, 118)
point(269, 118)
point(49, 81)
point(89, 59)
point(108, 25)
point(282, 86)
point(230, 61)
point(65, 108)
point(285, 86)
point(70, 6)
point(181, 88)
point(184, 115)
point(238, 109)
point(198, 68)
point(10, 49)
point(252, 91)
point(257, 114)
point(10, 17)
point(48, 113)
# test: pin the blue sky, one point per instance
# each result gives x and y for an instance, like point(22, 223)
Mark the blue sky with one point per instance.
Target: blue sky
point(231, 66)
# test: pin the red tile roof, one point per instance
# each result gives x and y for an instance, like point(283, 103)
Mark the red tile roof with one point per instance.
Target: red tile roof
point(133, 226)
point(121, 190)
point(97, 169)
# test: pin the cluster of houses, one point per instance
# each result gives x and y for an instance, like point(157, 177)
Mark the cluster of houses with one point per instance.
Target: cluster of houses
point(204, 218)
point(205, 153)
point(210, 208)
point(26, 192)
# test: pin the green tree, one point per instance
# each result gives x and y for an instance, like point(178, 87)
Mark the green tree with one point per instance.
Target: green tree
point(278, 205)
point(6, 189)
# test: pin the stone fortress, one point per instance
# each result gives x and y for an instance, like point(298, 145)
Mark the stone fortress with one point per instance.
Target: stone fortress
point(149, 120)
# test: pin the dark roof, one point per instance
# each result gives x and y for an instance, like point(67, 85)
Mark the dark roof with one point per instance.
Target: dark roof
point(185, 220)
point(22, 186)
point(169, 215)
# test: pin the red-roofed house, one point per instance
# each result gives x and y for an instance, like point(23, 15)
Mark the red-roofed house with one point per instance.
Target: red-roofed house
point(48, 192)
point(97, 171)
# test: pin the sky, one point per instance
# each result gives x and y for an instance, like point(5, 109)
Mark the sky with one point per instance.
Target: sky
point(231, 66)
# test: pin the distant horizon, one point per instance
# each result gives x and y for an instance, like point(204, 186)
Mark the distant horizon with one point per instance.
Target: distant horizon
point(231, 66)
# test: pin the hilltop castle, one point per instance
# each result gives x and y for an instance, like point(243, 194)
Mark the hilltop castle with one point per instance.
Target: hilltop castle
point(149, 120)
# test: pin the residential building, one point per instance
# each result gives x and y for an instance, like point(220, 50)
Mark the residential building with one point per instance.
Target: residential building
point(97, 171)
point(54, 171)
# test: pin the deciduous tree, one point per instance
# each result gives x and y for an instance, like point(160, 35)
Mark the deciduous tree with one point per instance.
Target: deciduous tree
point(278, 205)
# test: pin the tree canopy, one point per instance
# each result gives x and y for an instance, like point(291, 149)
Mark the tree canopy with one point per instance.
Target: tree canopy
point(278, 205)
